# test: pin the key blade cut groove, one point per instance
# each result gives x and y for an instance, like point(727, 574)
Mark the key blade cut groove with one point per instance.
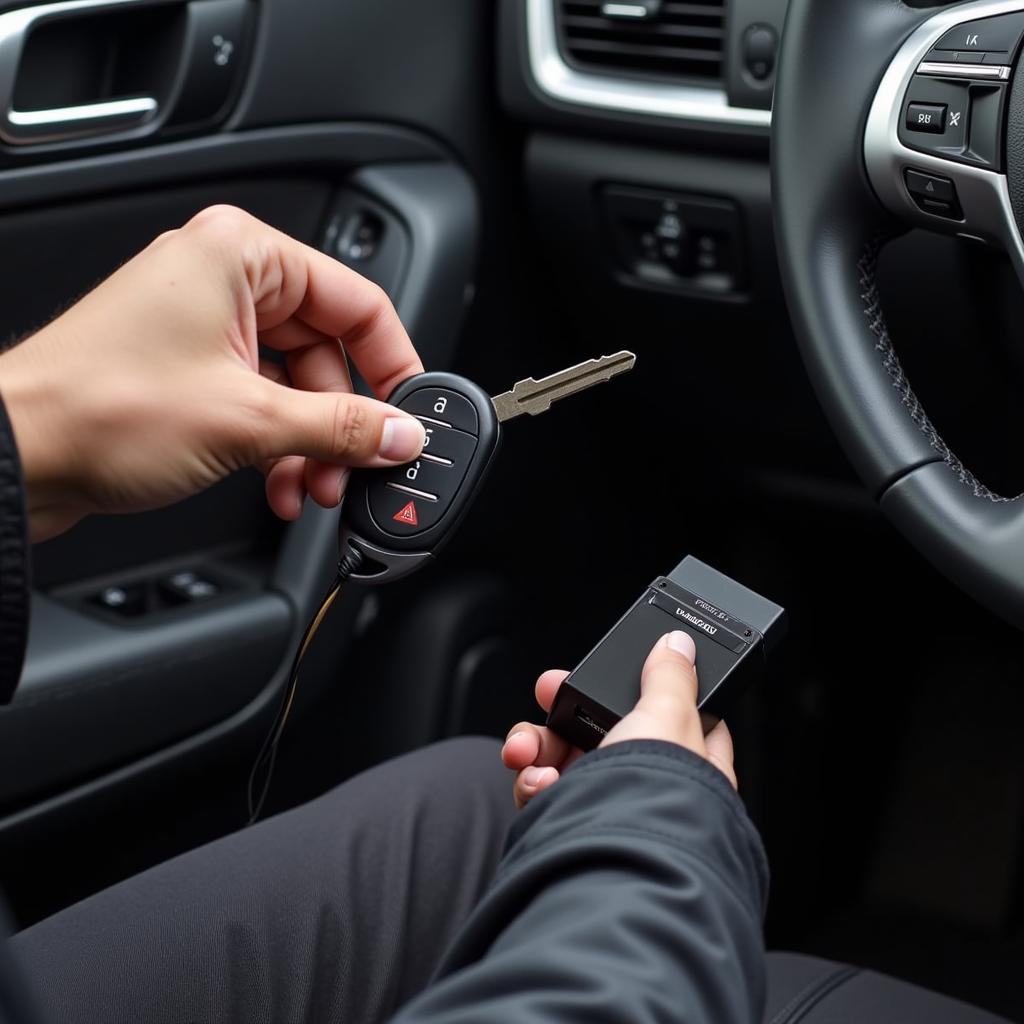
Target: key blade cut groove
point(536, 396)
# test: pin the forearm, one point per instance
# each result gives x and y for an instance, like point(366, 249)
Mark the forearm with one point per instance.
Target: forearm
point(631, 890)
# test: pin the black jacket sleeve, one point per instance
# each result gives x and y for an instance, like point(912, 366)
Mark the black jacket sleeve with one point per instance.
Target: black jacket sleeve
point(14, 562)
point(631, 891)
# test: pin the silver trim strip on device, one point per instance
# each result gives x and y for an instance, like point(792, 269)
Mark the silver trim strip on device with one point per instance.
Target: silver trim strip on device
point(425, 495)
point(984, 195)
point(632, 96)
point(23, 127)
point(947, 70)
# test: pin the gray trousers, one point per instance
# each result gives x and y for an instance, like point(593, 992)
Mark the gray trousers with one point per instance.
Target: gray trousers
point(336, 911)
point(340, 910)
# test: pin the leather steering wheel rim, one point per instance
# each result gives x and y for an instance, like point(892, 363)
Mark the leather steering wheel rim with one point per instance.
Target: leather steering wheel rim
point(830, 226)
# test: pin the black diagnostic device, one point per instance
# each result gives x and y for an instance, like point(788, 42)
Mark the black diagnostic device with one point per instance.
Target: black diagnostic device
point(397, 519)
point(733, 628)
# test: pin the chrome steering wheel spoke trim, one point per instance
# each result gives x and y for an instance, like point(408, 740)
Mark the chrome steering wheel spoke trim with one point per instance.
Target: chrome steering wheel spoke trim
point(983, 194)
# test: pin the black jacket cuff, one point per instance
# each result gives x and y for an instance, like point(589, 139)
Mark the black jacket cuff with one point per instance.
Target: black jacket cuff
point(15, 574)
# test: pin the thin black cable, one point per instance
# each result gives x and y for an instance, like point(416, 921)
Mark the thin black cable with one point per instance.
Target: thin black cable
point(267, 757)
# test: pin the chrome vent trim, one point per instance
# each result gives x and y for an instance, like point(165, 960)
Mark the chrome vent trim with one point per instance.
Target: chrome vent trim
point(557, 80)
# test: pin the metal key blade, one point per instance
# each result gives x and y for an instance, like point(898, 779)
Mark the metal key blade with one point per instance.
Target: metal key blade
point(535, 396)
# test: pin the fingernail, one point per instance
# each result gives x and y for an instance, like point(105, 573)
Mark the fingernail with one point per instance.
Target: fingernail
point(533, 777)
point(343, 475)
point(512, 737)
point(682, 643)
point(402, 439)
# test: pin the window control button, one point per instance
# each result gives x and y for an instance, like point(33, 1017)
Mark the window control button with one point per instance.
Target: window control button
point(188, 587)
point(926, 117)
point(939, 209)
point(128, 601)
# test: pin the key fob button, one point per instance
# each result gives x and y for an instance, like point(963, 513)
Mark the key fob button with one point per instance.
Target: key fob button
point(445, 406)
point(410, 499)
point(452, 446)
point(401, 514)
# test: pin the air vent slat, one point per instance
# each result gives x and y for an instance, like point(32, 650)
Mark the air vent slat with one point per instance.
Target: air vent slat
point(681, 41)
point(643, 50)
point(599, 27)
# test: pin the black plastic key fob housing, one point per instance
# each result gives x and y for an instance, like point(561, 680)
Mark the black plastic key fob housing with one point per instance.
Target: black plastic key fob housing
point(398, 518)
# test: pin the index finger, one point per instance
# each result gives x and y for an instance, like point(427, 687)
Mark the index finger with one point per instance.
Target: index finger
point(289, 279)
point(340, 302)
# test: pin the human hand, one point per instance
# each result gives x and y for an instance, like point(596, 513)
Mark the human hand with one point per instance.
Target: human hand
point(151, 388)
point(666, 710)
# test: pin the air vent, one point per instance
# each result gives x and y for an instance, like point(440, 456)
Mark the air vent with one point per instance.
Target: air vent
point(651, 38)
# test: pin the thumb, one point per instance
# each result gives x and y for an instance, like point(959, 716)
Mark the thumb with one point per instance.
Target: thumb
point(667, 708)
point(334, 427)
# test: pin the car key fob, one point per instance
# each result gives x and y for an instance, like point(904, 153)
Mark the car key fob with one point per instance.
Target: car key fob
point(397, 518)
point(394, 520)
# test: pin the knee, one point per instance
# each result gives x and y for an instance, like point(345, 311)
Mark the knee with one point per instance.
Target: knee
point(466, 767)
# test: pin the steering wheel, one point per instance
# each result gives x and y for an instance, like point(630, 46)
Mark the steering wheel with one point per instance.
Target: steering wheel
point(887, 115)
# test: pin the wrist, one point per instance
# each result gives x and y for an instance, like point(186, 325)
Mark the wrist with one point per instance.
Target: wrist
point(38, 411)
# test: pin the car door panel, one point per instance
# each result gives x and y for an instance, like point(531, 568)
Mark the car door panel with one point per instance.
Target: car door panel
point(106, 704)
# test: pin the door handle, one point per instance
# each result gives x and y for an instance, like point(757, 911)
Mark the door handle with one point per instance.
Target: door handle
point(76, 120)
point(59, 122)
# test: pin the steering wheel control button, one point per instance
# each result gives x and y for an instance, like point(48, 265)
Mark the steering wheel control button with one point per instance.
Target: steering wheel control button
point(443, 408)
point(933, 194)
point(1000, 33)
point(930, 186)
point(981, 72)
point(936, 116)
point(926, 117)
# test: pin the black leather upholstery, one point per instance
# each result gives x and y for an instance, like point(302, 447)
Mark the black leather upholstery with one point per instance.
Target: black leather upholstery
point(1015, 148)
point(805, 990)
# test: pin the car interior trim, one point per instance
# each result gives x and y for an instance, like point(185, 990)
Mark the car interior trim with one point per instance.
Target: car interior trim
point(1000, 72)
point(561, 82)
point(15, 27)
point(140, 105)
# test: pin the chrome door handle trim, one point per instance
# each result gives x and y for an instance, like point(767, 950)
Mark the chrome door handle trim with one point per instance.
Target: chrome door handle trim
point(25, 127)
